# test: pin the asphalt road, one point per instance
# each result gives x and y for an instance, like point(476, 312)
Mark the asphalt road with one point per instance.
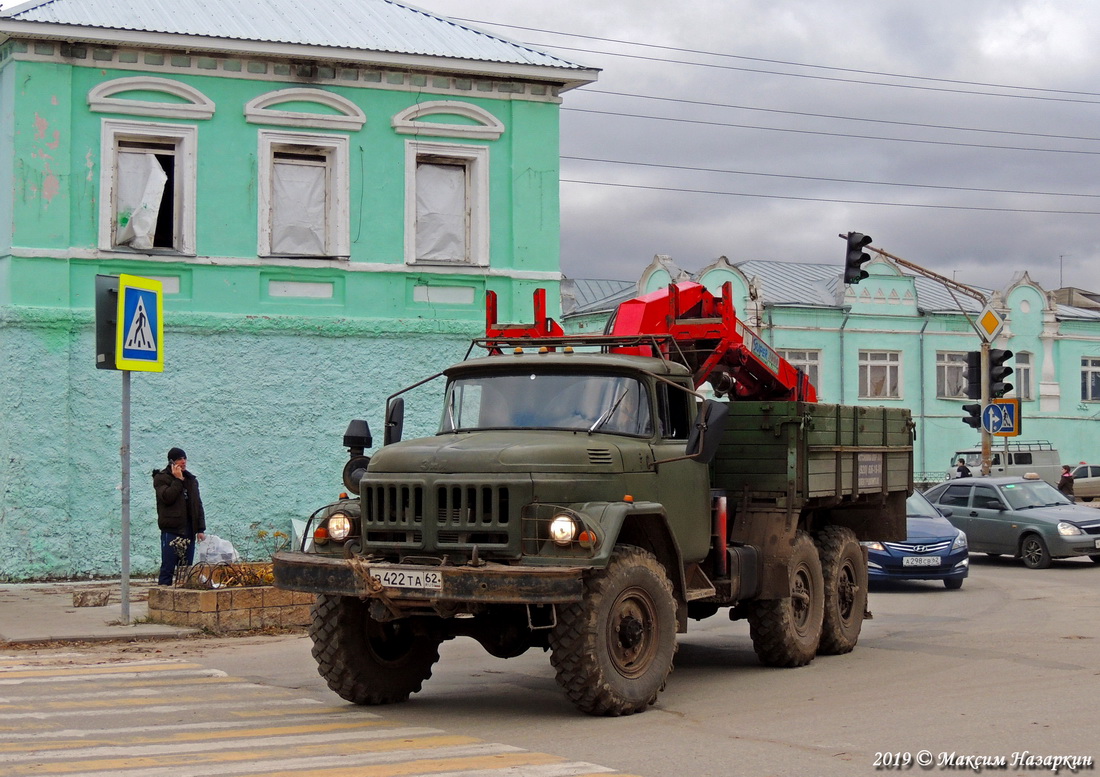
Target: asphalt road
point(1005, 666)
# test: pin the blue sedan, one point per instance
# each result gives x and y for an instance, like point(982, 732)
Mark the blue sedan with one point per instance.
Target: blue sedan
point(933, 549)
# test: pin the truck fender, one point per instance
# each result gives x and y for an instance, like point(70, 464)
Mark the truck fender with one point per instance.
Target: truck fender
point(645, 525)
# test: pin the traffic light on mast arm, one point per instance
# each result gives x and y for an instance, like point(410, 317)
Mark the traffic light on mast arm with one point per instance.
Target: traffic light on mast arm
point(973, 417)
point(998, 371)
point(974, 375)
point(855, 257)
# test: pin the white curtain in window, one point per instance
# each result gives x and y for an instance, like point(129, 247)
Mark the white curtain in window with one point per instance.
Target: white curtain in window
point(441, 212)
point(298, 209)
point(140, 185)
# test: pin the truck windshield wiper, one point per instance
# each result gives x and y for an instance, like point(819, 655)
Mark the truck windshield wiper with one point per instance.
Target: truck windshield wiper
point(609, 412)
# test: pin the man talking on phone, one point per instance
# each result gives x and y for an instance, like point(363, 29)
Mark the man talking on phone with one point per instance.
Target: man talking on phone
point(180, 516)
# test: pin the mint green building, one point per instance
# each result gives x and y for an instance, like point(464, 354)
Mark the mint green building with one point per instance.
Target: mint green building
point(326, 194)
point(901, 340)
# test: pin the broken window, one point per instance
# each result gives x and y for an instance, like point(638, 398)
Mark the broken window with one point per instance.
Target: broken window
point(147, 189)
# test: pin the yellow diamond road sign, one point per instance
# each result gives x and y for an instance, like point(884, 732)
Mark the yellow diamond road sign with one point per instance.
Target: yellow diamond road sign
point(990, 323)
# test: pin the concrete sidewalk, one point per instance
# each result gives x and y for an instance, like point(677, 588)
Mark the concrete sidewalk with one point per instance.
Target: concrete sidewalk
point(45, 612)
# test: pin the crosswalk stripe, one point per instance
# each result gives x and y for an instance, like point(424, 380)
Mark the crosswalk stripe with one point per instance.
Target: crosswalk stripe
point(357, 728)
point(233, 763)
point(175, 748)
point(90, 671)
point(525, 764)
point(97, 677)
point(205, 728)
point(201, 705)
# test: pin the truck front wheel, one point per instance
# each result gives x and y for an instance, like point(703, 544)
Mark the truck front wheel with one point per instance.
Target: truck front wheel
point(845, 576)
point(613, 650)
point(367, 661)
point(786, 632)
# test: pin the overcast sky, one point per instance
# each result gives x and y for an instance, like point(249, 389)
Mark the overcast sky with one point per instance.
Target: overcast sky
point(762, 130)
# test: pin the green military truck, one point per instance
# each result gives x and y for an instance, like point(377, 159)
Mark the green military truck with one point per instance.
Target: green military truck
point(582, 496)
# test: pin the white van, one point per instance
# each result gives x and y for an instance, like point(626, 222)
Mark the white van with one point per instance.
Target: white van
point(1037, 456)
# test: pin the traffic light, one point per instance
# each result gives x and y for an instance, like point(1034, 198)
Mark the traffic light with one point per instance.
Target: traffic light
point(974, 375)
point(856, 256)
point(998, 371)
point(973, 417)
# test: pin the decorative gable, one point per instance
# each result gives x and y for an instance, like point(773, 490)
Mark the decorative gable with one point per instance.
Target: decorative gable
point(135, 96)
point(428, 119)
point(305, 108)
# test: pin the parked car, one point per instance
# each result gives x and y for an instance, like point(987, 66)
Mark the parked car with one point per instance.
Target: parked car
point(933, 549)
point(1086, 482)
point(1024, 517)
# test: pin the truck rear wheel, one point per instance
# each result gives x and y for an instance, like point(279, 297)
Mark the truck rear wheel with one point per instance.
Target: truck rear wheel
point(845, 576)
point(786, 632)
point(613, 649)
point(366, 661)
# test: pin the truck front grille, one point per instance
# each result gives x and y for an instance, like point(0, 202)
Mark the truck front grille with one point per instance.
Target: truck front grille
point(444, 515)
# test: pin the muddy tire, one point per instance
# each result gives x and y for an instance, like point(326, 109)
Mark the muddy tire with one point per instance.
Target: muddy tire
point(786, 632)
point(368, 662)
point(613, 649)
point(844, 573)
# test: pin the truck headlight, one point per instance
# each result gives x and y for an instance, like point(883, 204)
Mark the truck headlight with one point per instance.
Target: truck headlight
point(563, 529)
point(339, 526)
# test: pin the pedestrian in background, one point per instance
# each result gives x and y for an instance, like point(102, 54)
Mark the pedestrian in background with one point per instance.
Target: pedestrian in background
point(962, 471)
point(180, 516)
point(1065, 483)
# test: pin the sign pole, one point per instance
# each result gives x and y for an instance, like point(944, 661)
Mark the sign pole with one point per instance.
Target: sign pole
point(125, 453)
point(987, 439)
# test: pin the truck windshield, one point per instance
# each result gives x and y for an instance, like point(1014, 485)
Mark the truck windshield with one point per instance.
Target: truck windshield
point(537, 400)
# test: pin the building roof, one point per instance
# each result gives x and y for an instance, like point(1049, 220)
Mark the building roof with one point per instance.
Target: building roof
point(584, 295)
point(790, 283)
point(339, 26)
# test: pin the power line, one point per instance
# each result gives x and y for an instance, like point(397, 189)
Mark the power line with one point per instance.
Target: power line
point(776, 61)
point(858, 81)
point(630, 163)
point(852, 135)
point(833, 200)
point(809, 114)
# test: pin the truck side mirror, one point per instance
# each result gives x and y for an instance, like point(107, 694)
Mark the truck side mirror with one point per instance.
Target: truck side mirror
point(705, 436)
point(395, 421)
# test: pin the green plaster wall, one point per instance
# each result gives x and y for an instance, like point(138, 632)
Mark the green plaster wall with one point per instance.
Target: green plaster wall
point(259, 405)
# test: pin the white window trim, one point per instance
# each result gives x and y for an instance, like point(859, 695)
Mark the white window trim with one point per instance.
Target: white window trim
point(186, 140)
point(865, 361)
point(943, 363)
point(338, 221)
point(477, 160)
point(351, 117)
point(407, 122)
point(101, 98)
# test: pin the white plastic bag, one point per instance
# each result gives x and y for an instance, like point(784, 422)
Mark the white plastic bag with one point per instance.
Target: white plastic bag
point(215, 550)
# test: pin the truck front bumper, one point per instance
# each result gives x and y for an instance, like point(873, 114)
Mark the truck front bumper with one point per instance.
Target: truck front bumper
point(489, 583)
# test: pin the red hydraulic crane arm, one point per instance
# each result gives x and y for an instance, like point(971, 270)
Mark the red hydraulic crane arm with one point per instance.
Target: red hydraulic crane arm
point(714, 343)
point(684, 323)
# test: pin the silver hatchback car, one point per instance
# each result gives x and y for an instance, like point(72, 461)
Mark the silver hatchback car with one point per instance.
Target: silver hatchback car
point(1026, 518)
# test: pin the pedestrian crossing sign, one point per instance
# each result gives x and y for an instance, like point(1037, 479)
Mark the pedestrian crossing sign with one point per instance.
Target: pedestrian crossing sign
point(139, 336)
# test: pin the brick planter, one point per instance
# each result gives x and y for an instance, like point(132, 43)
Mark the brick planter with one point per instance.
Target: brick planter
point(229, 609)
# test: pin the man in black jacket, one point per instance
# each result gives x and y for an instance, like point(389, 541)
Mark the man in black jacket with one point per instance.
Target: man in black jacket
point(179, 513)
